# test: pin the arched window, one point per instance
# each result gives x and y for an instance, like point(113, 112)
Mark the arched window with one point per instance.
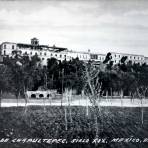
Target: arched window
point(4, 46)
point(41, 95)
point(12, 46)
point(33, 96)
point(49, 95)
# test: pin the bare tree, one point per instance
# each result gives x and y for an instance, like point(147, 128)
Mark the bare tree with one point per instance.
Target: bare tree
point(93, 88)
point(141, 92)
point(65, 95)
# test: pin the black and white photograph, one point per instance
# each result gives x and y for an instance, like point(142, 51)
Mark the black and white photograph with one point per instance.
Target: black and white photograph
point(73, 73)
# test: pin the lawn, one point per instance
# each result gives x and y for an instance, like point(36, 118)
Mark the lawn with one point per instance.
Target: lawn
point(37, 123)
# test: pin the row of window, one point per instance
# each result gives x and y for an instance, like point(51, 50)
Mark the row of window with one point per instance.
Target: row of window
point(56, 55)
point(96, 57)
point(82, 56)
point(5, 46)
point(40, 96)
point(130, 57)
point(41, 54)
point(116, 55)
point(133, 62)
point(93, 56)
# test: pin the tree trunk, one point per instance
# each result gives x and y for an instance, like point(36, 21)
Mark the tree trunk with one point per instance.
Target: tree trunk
point(65, 110)
point(142, 114)
point(62, 100)
point(52, 80)
point(26, 99)
point(44, 104)
point(0, 98)
point(62, 87)
point(17, 97)
point(107, 96)
point(121, 96)
point(87, 109)
point(142, 111)
point(130, 94)
point(85, 98)
point(50, 97)
point(96, 121)
point(69, 104)
point(111, 93)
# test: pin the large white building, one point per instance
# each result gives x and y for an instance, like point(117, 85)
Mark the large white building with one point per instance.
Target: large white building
point(116, 57)
point(46, 52)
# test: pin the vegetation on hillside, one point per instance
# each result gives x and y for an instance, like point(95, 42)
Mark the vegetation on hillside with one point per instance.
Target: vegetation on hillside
point(21, 73)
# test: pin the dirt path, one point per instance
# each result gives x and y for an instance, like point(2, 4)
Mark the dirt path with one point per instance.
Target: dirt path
point(82, 102)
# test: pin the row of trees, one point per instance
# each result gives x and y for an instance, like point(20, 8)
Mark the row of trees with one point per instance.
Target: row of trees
point(122, 79)
point(21, 73)
point(127, 79)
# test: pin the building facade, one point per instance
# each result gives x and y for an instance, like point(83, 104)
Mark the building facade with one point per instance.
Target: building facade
point(46, 52)
point(146, 60)
point(116, 57)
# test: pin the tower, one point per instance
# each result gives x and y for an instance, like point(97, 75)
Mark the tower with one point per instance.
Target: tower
point(34, 41)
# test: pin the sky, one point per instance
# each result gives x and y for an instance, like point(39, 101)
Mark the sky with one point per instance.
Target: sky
point(99, 25)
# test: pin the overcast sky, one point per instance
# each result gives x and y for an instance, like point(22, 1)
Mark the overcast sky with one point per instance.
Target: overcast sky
point(101, 25)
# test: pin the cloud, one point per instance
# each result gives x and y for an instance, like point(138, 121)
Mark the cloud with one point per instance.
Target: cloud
point(77, 24)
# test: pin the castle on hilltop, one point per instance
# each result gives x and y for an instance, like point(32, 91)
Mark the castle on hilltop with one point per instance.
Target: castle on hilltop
point(46, 52)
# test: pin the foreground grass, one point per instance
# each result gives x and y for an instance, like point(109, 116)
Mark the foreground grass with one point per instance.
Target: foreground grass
point(36, 123)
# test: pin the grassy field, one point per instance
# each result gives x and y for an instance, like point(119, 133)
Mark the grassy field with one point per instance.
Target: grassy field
point(113, 122)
